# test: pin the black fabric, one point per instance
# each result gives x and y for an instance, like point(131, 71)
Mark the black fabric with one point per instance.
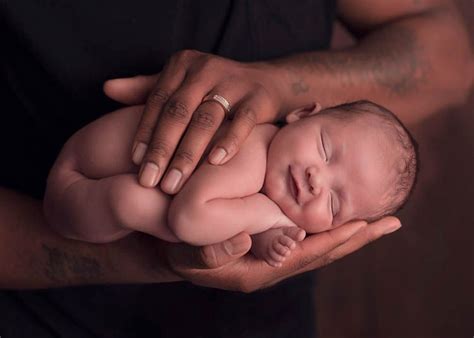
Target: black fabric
point(55, 56)
point(166, 310)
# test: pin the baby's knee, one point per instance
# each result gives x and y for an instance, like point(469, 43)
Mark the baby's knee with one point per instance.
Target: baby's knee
point(187, 224)
point(134, 206)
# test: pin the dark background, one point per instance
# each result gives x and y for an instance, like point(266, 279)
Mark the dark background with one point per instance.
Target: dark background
point(417, 282)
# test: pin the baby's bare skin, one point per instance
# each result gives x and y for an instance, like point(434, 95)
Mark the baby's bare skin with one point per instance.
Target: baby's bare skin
point(93, 193)
point(314, 174)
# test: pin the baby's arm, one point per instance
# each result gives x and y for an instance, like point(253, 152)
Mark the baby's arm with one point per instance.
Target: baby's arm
point(92, 192)
point(218, 202)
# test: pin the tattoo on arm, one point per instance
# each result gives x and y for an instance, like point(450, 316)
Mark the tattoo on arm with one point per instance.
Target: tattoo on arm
point(389, 57)
point(299, 87)
point(63, 267)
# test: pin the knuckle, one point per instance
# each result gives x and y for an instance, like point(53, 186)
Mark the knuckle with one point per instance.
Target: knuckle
point(232, 142)
point(370, 239)
point(260, 90)
point(204, 119)
point(158, 96)
point(184, 55)
point(159, 149)
point(185, 156)
point(144, 132)
point(208, 63)
point(304, 262)
point(247, 115)
point(176, 110)
point(327, 259)
point(208, 257)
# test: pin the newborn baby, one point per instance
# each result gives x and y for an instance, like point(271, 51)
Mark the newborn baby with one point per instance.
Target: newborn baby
point(323, 169)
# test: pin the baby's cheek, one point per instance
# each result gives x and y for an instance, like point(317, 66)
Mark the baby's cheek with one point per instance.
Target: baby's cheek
point(314, 222)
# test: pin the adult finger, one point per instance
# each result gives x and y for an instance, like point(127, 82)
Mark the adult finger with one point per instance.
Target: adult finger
point(361, 237)
point(169, 81)
point(184, 257)
point(306, 252)
point(131, 90)
point(322, 249)
point(244, 120)
point(368, 234)
point(316, 246)
point(310, 251)
point(173, 121)
point(203, 125)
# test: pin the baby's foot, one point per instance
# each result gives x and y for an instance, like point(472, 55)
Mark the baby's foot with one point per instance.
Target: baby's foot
point(276, 244)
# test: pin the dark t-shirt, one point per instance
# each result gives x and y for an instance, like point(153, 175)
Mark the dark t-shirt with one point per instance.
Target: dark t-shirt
point(56, 56)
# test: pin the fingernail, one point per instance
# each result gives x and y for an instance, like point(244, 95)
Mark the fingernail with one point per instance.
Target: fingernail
point(172, 180)
point(217, 155)
point(149, 175)
point(394, 227)
point(236, 245)
point(138, 153)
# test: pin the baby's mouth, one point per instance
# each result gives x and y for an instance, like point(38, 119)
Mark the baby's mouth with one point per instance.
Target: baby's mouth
point(293, 185)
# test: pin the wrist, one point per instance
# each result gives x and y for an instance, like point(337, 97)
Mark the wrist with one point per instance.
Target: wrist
point(140, 258)
point(273, 77)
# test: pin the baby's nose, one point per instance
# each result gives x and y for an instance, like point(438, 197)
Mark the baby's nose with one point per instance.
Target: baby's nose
point(314, 180)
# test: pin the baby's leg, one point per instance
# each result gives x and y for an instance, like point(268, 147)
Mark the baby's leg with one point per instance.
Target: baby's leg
point(106, 209)
point(92, 192)
point(141, 209)
point(275, 244)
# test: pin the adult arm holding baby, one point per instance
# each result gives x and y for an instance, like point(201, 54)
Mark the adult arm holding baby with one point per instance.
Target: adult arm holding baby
point(417, 65)
point(412, 57)
point(398, 62)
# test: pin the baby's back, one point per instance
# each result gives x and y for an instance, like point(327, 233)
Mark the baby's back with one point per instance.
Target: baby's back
point(99, 156)
point(104, 146)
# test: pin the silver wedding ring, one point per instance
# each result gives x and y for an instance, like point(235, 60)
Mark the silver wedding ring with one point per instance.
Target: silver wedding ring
point(222, 101)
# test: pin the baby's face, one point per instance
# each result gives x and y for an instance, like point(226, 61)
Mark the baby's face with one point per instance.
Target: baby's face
point(324, 172)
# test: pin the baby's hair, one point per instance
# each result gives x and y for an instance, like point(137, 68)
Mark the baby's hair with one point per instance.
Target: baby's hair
point(404, 143)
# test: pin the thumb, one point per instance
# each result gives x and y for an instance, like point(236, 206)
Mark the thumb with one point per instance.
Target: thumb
point(131, 90)
point(210, 256)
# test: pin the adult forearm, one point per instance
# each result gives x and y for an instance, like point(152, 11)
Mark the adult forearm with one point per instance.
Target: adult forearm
point(33, 256)
point(414, 66)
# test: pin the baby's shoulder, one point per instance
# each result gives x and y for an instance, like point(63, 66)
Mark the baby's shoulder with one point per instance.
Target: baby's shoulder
point(262, 133)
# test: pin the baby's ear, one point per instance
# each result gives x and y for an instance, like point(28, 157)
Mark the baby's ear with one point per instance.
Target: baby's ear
point(303, 112)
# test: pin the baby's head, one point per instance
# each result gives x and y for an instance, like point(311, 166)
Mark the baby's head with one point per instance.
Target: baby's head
point(328, 167)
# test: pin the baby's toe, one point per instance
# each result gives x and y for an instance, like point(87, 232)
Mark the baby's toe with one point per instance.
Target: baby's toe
point(287, 241)
point(272, 262)
point(295, 233)
point(280, 248)
point(275, 256)
point(277, 265)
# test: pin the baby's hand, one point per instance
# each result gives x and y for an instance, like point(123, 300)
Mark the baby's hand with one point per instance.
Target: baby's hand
point(275, 244)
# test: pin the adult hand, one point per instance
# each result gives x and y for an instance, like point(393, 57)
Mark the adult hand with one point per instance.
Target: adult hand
point(174, 112)
point(225, 266)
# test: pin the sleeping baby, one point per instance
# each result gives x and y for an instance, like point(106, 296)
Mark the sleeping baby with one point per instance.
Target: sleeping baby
point(322, 169)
